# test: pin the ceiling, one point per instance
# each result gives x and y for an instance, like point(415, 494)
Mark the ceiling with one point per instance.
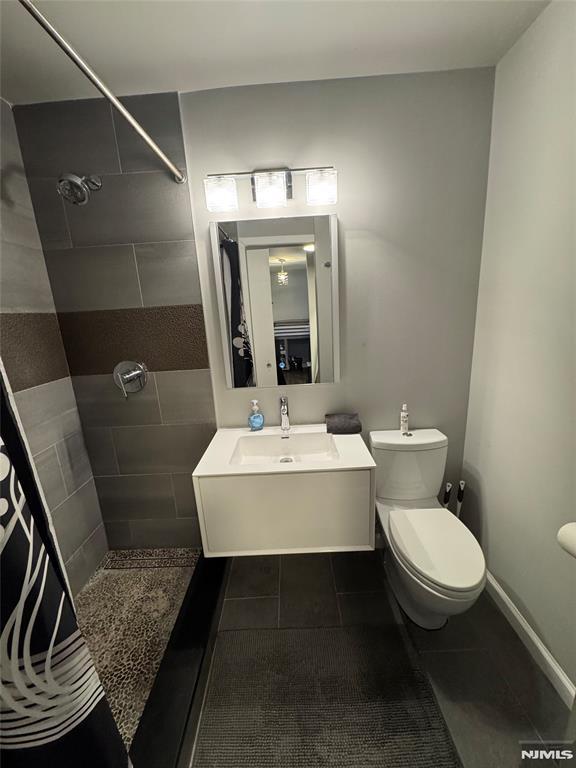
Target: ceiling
point(144, 46)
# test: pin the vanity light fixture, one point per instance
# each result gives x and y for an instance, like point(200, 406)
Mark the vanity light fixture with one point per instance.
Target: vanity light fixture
point(221, 193)
point(322, 186)
point(270, 189)
point(282, 275)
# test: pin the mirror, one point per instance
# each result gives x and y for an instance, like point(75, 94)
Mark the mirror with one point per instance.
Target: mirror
point(277, 288)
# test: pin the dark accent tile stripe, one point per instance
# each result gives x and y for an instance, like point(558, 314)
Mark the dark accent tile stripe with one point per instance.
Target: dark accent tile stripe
point(32, 349)
point(165, 338)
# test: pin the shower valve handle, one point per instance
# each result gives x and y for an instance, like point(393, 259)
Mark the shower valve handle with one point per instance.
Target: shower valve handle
point(130, 376)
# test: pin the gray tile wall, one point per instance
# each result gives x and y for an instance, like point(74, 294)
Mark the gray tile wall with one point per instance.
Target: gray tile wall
point(33, 354)
point(110, 263)
point(144, 450)
point(139, 201)
point(52, 426)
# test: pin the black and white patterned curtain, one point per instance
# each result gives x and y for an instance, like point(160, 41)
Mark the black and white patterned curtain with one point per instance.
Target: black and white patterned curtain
point(53, 710)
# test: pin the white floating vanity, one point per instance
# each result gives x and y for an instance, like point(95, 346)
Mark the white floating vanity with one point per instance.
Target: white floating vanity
point(262, 493)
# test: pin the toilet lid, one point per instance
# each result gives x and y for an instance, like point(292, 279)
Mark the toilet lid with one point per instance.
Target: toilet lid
point(437, 545)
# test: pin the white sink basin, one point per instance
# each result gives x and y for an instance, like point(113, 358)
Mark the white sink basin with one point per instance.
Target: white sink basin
point(311, 448)
point(260, 493)
point(299, 448)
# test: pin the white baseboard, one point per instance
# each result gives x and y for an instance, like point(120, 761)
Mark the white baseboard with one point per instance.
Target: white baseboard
point(539, 652)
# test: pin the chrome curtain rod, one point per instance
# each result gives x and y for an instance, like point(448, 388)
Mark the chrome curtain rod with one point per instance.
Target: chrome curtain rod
point(102, 87)
point(225, 235)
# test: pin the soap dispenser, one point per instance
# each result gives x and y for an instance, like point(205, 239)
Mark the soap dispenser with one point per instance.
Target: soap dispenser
point(256, 418)
point(404, 420)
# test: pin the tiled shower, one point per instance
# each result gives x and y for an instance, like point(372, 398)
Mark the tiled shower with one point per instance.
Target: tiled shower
point(87, 287)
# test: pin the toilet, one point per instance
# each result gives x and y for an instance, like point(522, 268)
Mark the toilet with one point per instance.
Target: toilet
point(434, 564)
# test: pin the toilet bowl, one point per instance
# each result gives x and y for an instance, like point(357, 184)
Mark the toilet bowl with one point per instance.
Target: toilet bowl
point(435, 566)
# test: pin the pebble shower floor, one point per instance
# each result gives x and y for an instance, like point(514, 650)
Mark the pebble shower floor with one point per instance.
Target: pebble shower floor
point(127, 612)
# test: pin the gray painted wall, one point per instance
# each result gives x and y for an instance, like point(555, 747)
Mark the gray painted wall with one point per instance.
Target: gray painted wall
point(412, 157)
point(48, 410)
point(520, 454)
point(290, 301)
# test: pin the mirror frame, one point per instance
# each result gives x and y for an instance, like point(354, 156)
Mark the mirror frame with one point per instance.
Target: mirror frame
point(221, 299)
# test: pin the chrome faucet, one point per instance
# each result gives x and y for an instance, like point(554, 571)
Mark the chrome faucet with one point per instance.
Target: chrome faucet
point(284, 419)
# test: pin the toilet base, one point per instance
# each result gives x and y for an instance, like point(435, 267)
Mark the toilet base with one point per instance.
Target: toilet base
point(417, 613)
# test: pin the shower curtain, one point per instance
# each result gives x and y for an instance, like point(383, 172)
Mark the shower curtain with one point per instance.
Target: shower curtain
point(241, 349)
point(53, 711)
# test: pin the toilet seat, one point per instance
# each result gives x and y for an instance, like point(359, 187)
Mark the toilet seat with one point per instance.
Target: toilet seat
point(438, 549)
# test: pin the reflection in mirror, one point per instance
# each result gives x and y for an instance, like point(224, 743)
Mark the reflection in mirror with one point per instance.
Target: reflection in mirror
point(277, 283)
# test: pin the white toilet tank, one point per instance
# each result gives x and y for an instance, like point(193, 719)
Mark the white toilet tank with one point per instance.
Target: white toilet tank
point(409, 467)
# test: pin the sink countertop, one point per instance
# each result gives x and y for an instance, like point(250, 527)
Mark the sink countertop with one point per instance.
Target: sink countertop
point(352, 453)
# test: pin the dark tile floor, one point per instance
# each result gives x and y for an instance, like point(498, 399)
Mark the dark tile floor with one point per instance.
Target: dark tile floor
point(489, 688)
point(490, 691)
point(305, 591)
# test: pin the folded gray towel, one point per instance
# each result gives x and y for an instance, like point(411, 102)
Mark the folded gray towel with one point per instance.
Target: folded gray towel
point(343, 423)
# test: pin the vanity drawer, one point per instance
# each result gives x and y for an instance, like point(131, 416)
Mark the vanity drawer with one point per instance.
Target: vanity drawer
point(283, 513)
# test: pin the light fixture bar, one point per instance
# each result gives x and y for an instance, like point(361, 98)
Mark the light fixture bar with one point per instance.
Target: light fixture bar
point(292, 171)
point(271, 187)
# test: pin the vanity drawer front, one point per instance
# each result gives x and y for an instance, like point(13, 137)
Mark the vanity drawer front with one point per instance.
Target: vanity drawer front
point(299, 512)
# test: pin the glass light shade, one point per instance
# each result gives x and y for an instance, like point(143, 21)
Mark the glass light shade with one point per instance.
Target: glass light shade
point(322, 187)
point(221, 193)
point(270, 189)
point(309, 248)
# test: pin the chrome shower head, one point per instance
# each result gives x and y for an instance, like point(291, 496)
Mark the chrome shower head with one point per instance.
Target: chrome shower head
point(76, 189)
